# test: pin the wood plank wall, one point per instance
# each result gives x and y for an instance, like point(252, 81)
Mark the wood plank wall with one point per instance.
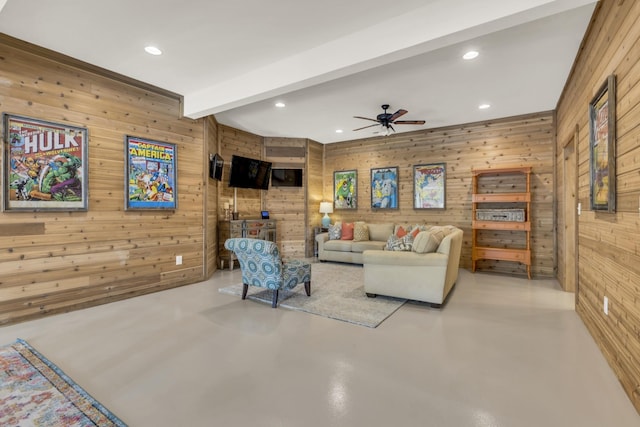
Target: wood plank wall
point(213, 208)
point(608, 248)
point(288, 205)
point(245, 144)
point(53, 262)
point(314, 189)
point(516, 141)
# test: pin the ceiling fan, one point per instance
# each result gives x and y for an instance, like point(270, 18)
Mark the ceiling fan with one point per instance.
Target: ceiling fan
point(386, 120)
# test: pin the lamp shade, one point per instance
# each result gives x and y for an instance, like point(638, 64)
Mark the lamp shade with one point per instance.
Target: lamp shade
point(326, 207)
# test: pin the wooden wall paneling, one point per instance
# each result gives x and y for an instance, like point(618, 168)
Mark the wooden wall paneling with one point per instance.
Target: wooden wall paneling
point(515, 141)
point(314, 191)
point(607, 248)
point(59, 261)
point(245, 144)
point(288, 205)
point(213, 208)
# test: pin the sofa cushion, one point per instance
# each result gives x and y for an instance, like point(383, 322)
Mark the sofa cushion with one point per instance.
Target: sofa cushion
point(380, 232)
point(360, 232)
point(335, 231)
point(367, 245)
point(347, 231)
point(338, 245)
point(428, 241)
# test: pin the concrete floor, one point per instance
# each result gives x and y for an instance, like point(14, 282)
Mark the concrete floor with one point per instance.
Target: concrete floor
point(503, 352)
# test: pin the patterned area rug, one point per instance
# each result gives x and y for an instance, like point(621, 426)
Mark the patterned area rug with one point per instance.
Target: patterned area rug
point(35, 392)
point(337, 292)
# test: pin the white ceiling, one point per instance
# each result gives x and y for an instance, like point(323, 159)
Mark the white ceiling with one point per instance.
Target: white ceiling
point(327, 60)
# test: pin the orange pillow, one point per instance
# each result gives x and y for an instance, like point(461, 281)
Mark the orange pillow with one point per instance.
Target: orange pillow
point(347, 231)
point(401, 232)
point(415, 232)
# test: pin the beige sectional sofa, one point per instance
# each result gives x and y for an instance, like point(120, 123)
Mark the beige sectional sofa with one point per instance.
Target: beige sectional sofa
point(427, 277)
point(351, 251)
point(425, 273)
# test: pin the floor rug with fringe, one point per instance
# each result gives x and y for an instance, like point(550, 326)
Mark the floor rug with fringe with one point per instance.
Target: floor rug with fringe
point(337, 292)
point(35, 392)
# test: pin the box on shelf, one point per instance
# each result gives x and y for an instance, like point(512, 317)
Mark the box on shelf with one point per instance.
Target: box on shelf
point(500, 215)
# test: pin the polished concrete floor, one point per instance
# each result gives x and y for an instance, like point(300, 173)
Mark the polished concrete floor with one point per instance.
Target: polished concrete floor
point(503, 352)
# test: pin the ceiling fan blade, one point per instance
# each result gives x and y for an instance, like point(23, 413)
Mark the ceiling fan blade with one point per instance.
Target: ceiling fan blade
point(397, 114)
point(370, 126)
point(364, 118)
point(409, 122)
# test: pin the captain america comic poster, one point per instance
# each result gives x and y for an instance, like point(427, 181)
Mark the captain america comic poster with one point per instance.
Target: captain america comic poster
point(151, 177)
point(45, 165)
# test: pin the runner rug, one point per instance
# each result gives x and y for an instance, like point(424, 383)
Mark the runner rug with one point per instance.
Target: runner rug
point(35, 392)
point(337, 292)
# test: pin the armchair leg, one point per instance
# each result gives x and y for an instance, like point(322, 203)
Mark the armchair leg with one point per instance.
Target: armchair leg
point(307, 288)
point(274, 303)
point(245, 288)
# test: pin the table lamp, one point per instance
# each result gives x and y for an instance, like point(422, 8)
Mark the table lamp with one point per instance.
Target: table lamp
point(326, 208)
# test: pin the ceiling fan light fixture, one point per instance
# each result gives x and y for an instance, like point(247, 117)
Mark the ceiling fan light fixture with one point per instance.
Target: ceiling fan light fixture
point(472, 54)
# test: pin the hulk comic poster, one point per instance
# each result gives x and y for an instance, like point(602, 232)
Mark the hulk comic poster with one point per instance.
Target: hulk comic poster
point(151, 174)
point(45, 165)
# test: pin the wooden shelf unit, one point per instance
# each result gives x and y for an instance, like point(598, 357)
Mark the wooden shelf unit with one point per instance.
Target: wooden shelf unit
point(480, 251)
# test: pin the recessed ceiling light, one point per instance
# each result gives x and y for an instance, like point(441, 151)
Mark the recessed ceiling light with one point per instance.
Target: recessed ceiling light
point(484, 106)
point(338, 130)
point(280, 104)
point(152, 50)
point(471, 54)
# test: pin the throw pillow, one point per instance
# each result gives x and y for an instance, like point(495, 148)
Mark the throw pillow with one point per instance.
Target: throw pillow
point(401, 232)
point(427, 241)
point(335, 231)
point(395, 243)
point(347, 231)
point(360, 232)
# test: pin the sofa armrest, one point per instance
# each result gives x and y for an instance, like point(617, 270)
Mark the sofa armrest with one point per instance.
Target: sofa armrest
point(322, 237)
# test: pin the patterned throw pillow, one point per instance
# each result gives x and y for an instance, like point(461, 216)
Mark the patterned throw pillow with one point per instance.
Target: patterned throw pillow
point(335, 231)
point(360, 232)
point(347, 231)
point(395, 243)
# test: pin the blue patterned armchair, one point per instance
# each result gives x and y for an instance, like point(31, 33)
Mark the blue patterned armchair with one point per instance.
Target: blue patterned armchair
point(262, 266)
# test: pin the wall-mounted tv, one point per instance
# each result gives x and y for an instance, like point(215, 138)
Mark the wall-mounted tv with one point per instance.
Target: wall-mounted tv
point(215, 167)
point(286, 177)
point(249, 173)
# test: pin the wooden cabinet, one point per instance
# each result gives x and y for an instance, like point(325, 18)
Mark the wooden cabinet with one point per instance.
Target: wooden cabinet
point(501, 201)
point(264, 229)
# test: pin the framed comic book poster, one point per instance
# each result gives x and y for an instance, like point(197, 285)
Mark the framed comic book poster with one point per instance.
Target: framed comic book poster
point(345, 193)
point(151, 181)
point(429, 186)
point(45, 165)
point(384, 188)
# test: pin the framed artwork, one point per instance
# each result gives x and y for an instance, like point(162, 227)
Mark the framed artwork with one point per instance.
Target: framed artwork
point(151, 180)
point(45, 165)
point(384, 188)
point(602, 147)
point(345, 189)
point(429, 186)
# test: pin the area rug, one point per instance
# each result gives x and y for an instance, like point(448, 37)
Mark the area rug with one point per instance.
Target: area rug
point(35, 392)
point(337, 292)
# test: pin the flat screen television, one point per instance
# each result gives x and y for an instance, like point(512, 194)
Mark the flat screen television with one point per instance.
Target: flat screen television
point(286, 177)
point(249, 173)
point(215, 167)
